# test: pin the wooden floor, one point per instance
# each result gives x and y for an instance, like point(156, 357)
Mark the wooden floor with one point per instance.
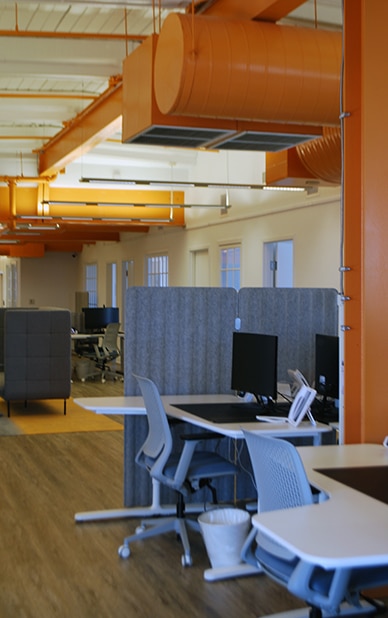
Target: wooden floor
point(52, 567)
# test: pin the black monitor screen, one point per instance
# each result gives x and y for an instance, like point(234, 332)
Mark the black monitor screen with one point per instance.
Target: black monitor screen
point(97, 318)
point(327, 365)
point(254, 364)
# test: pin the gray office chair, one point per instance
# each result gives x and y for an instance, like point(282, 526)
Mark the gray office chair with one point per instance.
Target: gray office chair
point(282, 483)
point(108, 351)
point(101, 354)
point(185, 472)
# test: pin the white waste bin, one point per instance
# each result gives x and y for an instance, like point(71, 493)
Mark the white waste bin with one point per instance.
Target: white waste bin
point(224, 531)
point(84, 368)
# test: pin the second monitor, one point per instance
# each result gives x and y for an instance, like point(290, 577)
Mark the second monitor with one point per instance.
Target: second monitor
point(254, 365)
point(97, 318)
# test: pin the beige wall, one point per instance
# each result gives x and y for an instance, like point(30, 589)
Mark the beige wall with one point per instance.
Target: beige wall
point(312, 222)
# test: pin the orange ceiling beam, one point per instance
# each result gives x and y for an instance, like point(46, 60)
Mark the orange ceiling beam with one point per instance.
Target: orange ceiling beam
point(267, 10)
point(30, 202)
point(63, 219)
point(100, 120)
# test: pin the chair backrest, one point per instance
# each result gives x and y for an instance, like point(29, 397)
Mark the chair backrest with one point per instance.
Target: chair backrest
point(158, 444)
point(280, 477)
point(110, 337)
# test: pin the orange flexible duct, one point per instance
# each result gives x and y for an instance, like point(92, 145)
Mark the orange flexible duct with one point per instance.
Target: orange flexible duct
point(247, 70)
point(322, 156)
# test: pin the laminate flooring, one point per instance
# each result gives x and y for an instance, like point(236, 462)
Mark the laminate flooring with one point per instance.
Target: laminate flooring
point(52, 567)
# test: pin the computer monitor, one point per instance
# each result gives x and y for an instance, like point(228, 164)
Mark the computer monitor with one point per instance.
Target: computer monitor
point(254, 365)
point(327, 365)
point(97, 318)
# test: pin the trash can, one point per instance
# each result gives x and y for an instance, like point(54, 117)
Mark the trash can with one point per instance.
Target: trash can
point(224, 531)
point(83, 368)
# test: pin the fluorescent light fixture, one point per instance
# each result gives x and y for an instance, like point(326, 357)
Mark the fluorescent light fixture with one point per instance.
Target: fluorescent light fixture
point(190, 184)
point(32, 227)
point(37, 217)
point(107, 180)
point(280, 188)
point(76, 218)
point(121, 205)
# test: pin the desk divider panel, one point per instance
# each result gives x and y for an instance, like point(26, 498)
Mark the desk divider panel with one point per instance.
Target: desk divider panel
point(295, 315)
point(181, 338)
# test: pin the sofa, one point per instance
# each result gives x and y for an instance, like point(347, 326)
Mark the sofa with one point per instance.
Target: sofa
point(36, 355)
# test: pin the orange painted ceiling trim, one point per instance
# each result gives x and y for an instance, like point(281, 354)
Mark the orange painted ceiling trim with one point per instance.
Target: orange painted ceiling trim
point(267, 10)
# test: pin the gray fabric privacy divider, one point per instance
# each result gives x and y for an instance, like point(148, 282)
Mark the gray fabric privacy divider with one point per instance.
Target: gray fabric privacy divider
point(295, 315)
point(182, 339)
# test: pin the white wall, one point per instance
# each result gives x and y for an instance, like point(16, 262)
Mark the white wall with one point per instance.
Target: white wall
point(255, 217)
point(50, 281)
point(312, 222)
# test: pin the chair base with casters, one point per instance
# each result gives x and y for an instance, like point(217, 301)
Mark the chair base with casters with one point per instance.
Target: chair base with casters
point(153, 527)
point(186, 472)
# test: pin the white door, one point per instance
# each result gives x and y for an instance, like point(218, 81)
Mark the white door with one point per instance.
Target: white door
point(278, 264)
point(200, 268)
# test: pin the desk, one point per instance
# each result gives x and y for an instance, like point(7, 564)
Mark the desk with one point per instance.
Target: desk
point(129, 405)
point(135, 405)
point(356, 524)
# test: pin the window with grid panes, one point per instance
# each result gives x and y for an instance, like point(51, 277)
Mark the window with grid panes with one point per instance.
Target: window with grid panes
point(157, 271)
point(230, 266)
point(91, 283)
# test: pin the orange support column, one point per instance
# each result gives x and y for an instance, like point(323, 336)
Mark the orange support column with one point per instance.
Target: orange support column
point(365, 220)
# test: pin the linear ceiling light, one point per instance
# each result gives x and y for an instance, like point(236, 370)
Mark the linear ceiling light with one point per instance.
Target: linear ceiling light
point(182, 184)
point(280, 188)
point(33, 227)
point(124, 205)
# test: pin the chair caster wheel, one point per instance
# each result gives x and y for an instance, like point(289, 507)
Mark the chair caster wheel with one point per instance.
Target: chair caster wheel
point(124, 551)
point(186, 560)
point(140, 529)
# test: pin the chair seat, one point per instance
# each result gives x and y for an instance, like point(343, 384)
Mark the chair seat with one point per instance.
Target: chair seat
point(204, 464)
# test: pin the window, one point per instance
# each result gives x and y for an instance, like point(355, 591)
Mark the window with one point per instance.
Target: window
point(127, 280)
point(91, 283)
point(230, 267)
point(157, 271)
point(111, 284)
point(12, 285)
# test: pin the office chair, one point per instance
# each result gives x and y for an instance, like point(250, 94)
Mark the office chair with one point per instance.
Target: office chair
point(108, 351)
point(102, 354)
point(282, 483)
point(186, 472)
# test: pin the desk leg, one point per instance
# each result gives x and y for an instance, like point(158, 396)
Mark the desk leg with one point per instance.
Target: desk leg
point(154, 509)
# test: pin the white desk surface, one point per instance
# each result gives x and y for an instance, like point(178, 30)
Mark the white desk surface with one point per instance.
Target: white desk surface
point(349, 528)
point(135, 406)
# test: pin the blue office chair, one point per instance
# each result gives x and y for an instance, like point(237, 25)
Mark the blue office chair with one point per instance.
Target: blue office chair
point(282, 483)
point(186, 472)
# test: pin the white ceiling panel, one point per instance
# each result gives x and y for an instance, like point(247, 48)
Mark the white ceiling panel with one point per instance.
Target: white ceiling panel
point(47, 79)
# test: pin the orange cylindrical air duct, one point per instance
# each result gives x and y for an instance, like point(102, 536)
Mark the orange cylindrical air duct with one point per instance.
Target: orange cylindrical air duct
point(248, 70)
point(322, 156)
